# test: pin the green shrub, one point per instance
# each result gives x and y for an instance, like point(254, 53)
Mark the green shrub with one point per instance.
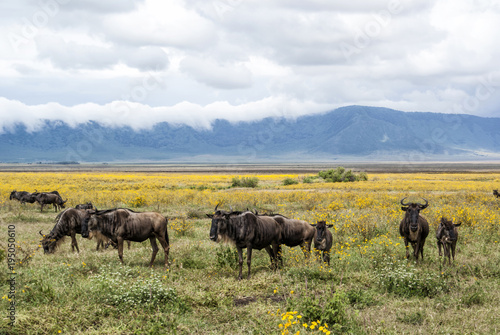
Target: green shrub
point(118, 287)
point(329, 309)
point(290, 181)
point(308, 180)
point(226, 257)
point(404, 279)
point(245, 182)
point(341, 175)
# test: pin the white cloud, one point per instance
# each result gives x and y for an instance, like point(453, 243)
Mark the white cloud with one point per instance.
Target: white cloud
point(190, 61)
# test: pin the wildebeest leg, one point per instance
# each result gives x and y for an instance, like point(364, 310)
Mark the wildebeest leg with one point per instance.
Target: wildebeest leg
point(119, 241)
point(270, 252)
point(306, 249)
point(278, 255)
point(73, 242)
point(155, 249)
point(326, 257)
point(129, 243)
point(165, 246)
point(240, 261)
point(249, 260)
point(439, 247)
point(421, 248)
point(407, 249)
point(41, 208)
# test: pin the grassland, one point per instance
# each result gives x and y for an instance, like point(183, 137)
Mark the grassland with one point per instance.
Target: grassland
point(369, 288)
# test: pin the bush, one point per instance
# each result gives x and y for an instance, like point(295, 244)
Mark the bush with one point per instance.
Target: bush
point(290, 181)
point(341, 175)
point(329, 309)
point(227, 257)
point(118, 287)
point(245, 182)
point(403, 279)
point(308, 180)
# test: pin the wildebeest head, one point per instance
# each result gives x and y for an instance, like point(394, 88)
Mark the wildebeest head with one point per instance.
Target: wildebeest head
point(218, 219)
point(321, 228)
point(219, 222)
point(86, 226)
point(12, 195)
point(412, 210)
point(48, 243)
point(448, 232)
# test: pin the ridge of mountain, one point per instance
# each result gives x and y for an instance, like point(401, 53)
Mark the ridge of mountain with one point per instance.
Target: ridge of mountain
point(354, 131)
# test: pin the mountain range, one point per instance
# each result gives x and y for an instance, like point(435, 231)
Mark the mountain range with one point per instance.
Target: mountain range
point(353, 132)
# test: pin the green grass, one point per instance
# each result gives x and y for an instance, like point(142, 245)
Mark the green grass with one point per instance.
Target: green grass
point(377, 292)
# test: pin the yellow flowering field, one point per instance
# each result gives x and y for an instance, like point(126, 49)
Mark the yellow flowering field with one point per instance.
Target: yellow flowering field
point(199, 292)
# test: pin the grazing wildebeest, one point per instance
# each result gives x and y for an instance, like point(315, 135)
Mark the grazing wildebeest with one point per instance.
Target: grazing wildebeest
point(88, 205)
point(323, 240)
point(246, 230)
point(120, 224)
point(447, 236)
point(414, 227)
point(22, 197)
point(496, 194)
point(50, 198)
point(68, 223)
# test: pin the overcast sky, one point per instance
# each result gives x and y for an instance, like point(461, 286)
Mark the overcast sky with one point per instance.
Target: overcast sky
point(124, 62)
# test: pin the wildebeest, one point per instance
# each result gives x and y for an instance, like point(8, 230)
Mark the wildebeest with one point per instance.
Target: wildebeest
point(88, 205)
point(447, 235)
point(53, 198)
point(414, 228)
point(496, 194)
point(323, 240)
point(246, 230)
point(22, 196)
point(294, 232)
point(120, 224)
point(68, 223)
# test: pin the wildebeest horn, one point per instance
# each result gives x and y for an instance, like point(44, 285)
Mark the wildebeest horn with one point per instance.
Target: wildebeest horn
point(41, 233)
point(65, 201)
point(215, 210)
point(402, 202)
point(423, 206)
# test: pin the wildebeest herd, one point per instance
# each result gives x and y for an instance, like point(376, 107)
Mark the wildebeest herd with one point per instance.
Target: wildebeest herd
point(244, 229)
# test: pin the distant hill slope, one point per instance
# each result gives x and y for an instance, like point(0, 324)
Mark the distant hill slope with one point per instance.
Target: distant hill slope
point(354, 131)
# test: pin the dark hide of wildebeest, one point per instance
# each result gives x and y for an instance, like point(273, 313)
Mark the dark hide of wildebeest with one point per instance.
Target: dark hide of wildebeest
point(121, 224)
point(447, 236)
point(323, 241)
point(496, 194)
point(295, 232)
point(68, 223)
point(414, 228)
point(50, 198)
point(22, 196)
point(246, 230)
point(88, 205)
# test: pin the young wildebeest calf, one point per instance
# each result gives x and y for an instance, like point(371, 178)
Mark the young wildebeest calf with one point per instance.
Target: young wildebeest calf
point(323, 240)
point(246, 230)
point(447, 235)
point(414, 228)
